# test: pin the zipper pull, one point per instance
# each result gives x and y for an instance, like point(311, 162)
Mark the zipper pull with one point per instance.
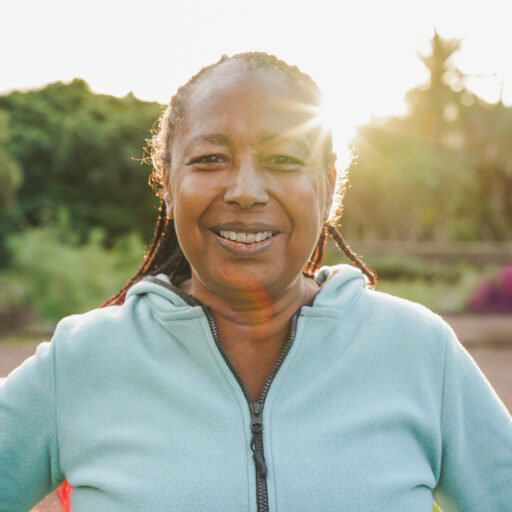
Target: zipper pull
point(256, 422)
point(257, 430)
point(258, 459)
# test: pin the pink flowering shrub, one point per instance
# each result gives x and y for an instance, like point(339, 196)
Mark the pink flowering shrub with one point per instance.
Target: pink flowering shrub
point(494, 294)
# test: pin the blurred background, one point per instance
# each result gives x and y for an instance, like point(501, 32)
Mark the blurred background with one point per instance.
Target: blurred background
point(422, 94)
point(420, 91)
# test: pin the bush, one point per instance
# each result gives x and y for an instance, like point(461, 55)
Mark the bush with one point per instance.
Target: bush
point(60, 277)
point(442, 287)
point(493, 294)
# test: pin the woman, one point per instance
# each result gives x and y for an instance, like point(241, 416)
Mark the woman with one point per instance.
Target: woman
point(236, 375)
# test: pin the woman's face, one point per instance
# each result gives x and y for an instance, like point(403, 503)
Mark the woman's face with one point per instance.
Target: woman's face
point(247, 192)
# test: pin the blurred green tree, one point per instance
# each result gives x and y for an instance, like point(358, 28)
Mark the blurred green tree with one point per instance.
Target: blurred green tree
point(76, 149)
point(441, 172)
point(10, 171)
point(11, 178)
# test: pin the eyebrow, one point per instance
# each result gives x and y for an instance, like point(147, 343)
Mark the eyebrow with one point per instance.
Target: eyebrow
point(214, 138)
point(223, 140)
point(279, 137)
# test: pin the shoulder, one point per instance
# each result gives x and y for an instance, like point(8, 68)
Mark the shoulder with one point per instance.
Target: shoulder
point(404, 327)
point(399, 312)
point(96, 330)
point(92, 323)
point(377, 315)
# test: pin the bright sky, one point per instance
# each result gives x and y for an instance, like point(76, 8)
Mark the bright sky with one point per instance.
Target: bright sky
point(362, 53)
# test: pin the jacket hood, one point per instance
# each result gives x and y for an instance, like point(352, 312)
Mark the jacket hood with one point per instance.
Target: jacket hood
point(339, 286)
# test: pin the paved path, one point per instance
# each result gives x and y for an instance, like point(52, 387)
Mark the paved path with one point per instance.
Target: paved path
point(482, 329)
point(13, 355)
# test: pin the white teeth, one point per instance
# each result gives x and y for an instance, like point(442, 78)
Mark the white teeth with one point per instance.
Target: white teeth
point(247, 238)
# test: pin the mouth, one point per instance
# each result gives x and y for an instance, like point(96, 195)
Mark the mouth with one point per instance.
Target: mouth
point(245, 240)
point(244, 236)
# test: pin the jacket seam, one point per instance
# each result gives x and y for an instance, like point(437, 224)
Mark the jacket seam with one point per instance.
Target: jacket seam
point(56, 419)
point(443, 397)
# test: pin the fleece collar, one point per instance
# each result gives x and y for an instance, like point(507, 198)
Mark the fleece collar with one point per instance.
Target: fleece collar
point(339, 286)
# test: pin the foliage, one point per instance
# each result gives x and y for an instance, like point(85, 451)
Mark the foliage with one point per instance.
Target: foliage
point(10, 171)
point(439, 296)
point(442, 172)
point(494, 294)
point(59, 276)
point(11, 178)
point(76, 149)
point(444, 287)
point(403, 190)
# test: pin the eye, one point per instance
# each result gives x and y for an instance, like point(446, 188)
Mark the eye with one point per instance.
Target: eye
point(282, 162)
point(213, 162)
point(210, 159)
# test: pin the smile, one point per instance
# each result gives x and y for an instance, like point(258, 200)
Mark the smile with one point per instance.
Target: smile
point(246, 238)
point(246, 243)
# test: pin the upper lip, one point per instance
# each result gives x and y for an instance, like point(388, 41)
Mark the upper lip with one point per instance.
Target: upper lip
point(244, 227)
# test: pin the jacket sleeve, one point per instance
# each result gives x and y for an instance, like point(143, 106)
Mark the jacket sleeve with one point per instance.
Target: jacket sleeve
point(29, 459)
point(476, 430)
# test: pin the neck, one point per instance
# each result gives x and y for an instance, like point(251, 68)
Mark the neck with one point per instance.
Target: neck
point(254, 315)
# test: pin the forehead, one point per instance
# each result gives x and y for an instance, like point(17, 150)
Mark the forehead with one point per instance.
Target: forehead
point(245, 100)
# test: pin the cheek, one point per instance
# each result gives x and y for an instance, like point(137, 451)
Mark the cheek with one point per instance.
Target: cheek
point(188, 206)
point(308, 197)
point(191, 195)
point(304, 200)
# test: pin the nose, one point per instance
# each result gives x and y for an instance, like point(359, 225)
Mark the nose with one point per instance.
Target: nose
point(247, 184)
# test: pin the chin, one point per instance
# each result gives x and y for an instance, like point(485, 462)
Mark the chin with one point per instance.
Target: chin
point(250, 280)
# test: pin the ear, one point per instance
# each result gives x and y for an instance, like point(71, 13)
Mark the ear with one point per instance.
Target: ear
point(168, 202)
point(329, 193)
point(167, 194)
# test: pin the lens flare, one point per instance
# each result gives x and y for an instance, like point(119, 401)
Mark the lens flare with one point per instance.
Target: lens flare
point(327, 120)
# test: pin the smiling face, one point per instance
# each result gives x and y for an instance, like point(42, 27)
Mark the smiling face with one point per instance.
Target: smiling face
point(246, 188)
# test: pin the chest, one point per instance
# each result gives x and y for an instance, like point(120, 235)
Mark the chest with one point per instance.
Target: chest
point(254, 361)
point(176, 435)
point(254, 367)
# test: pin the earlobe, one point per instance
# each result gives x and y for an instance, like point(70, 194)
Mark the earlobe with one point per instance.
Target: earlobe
point(166, 195)
point(168, 204)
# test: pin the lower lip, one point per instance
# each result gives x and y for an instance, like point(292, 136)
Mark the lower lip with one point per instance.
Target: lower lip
point(243, 249)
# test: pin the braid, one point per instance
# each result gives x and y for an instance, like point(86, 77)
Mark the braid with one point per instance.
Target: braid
point(352, 256)
point(315, 261)
point(163, 253)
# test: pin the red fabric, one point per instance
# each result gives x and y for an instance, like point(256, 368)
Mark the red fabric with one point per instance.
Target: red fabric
point(49, 504)
point(64, 495)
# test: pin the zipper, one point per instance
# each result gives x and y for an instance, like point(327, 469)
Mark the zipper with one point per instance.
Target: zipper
point(256, 408)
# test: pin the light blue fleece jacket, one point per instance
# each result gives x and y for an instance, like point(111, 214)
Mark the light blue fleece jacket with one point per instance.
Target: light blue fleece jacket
point(376, 407)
